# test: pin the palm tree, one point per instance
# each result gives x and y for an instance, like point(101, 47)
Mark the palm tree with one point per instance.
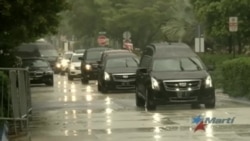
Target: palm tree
point(182, 23)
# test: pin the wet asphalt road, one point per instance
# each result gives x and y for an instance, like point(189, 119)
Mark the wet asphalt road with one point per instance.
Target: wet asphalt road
point(70, 111)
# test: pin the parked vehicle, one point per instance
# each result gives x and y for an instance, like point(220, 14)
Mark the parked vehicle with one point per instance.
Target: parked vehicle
point(39, 71)
point(40, 49)
point(89, 63)
point(65, 62)
point(117, 72)
point(171, 73)
point(75, 66)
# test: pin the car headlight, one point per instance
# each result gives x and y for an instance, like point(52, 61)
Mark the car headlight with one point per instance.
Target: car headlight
point(154, 84)
point(88, 67)
point(58, 65)
point(49, 72)
point(64, 63)
point(72, 67)
point(106, 76)
point(208, 82)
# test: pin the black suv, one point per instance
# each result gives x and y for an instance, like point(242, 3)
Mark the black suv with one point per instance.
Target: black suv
point(172, 74)
point(40, 71)
point(89, 63)
point(117, 72)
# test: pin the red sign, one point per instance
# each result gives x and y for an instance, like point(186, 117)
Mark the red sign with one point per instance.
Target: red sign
point(102, 40)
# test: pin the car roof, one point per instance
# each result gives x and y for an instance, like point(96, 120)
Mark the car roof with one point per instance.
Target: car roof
point(33, 58)
point(97, 49)
point(125, 54)
point(165, 50)
point(115, 51)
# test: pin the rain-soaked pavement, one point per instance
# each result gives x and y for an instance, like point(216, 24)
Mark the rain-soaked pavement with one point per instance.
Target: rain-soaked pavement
point(70, 111)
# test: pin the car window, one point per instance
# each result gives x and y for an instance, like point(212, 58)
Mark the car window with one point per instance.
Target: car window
point(67, 56)
point(75, 58)
point(93, 55)
point(122, 62)
point(35, 63)
point(48, 52)
point(177, 64)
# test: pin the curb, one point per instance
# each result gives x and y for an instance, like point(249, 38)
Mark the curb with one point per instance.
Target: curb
point(232, 99)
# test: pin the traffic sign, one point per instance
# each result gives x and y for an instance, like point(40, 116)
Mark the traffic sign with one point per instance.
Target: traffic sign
point(126, 35)
point(233, 24)
point(102, 40)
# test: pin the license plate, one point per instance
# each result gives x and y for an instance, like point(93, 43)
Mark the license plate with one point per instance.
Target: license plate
point(182, 94)
point(125, 83)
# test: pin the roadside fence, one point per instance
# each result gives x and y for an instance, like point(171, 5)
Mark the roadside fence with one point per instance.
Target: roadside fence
point(15, 99)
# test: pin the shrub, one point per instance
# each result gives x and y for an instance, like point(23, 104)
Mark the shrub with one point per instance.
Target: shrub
point(236, 77)
point(216, 60)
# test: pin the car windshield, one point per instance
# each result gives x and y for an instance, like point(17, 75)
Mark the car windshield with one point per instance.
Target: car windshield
point(35, 63)
point(127, 62)
point(48, 52)
point(67, 56)
point(94, 55)
point(75, 58)
point(178, 64)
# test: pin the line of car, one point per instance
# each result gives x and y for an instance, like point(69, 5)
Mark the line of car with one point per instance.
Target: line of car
point(165, 73)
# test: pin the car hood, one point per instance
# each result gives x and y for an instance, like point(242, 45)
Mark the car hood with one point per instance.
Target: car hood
point(77, 64)
point(180, 75)
point(39, 69)
point(121, 70)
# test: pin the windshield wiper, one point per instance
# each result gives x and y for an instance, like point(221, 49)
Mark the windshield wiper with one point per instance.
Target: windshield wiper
point(182, 69)
point(198, 67)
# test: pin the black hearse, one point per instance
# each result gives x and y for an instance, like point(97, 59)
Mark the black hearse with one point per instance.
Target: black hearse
point(171, 73)
point(117, 72)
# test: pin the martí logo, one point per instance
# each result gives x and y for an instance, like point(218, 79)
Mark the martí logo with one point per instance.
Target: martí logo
point(201, 122)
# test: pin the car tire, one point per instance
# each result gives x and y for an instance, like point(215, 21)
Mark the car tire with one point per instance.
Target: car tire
point(62, 73)
point(140, 102)
point(104, 90)
point(195, 106)
point(210, 105)
point(50, 83)
point(149, 105)
point(85, 80)
point(99, 87)
point(71, 78)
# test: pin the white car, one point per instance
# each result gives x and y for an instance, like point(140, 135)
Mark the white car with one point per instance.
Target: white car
point(75, 66)
point(65, 62)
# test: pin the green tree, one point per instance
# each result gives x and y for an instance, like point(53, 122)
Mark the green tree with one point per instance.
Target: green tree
point(27, 20)
point(215, 14)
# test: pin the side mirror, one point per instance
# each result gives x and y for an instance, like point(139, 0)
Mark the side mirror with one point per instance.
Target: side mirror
point(99, 62)
point(210, 67)
point(143, 70)
point(80, 58)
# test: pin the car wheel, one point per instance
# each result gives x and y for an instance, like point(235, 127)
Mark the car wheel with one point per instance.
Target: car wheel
point(195, 106)
point(62, 72)
point(104, 90)
point(70, 77)
point(140, 102)
point(50, 83)
point(85, 80)
point(149, 105)
point(99, 87)
point(211, 104)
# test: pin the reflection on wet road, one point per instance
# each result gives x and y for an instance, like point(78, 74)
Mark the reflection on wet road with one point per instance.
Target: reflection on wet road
point(72, 111)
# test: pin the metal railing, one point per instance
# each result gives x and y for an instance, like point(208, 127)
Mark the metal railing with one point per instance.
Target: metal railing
point(15, 99)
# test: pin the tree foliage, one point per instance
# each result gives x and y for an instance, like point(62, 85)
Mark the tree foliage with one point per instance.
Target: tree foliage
point(26, 20)
point(215, 14)
point(145, 19)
